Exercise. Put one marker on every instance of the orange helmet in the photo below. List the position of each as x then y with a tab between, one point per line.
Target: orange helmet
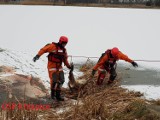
115	51
63	39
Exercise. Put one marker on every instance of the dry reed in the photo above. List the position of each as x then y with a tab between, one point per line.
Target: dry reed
105	102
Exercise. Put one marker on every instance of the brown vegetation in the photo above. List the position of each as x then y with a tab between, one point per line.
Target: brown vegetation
92	102
105	4
6	69
105	102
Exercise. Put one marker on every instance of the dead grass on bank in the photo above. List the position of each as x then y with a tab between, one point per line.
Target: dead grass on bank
11	110
94	103
18	114
156	102
37	3
110	103
106	103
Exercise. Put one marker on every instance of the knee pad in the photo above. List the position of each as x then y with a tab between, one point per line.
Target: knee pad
102	75
61	77
55	77
53	86
100	79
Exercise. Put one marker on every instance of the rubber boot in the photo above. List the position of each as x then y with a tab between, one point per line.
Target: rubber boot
53	94
58	96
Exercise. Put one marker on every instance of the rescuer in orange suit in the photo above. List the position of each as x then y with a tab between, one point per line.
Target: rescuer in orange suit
107	63
57	55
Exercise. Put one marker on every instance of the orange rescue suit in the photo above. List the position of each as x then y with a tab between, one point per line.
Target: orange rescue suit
105	58
56	56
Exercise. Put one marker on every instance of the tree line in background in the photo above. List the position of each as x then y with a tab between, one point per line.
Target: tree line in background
65	2
147	2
